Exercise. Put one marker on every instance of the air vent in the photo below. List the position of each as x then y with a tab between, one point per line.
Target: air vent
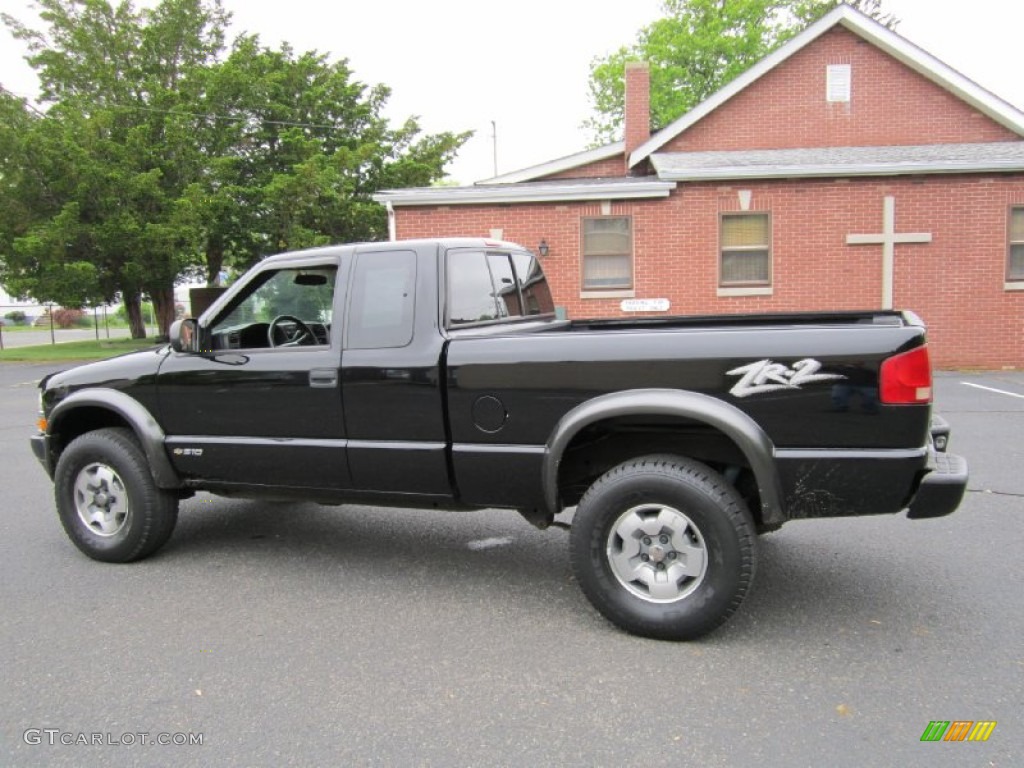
838	80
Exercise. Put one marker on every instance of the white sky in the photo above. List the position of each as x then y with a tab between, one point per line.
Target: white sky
459	64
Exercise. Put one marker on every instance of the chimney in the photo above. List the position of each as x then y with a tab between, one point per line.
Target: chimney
638	106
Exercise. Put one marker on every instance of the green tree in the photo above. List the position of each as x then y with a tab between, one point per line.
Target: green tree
110	157
294	149
46	249
158	157
698	47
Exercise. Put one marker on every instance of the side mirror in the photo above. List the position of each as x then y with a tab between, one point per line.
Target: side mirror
183	334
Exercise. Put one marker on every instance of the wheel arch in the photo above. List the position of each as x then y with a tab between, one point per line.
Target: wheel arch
94	408
734	424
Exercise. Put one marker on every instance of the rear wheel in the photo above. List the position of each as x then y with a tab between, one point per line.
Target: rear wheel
664	547
107	501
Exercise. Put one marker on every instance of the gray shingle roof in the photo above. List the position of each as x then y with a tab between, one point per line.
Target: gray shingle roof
990	157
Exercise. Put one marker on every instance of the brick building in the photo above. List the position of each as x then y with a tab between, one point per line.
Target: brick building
849	169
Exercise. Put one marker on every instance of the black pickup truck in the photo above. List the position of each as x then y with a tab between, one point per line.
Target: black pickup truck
436	374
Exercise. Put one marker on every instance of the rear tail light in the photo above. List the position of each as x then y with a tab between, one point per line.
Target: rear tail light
906	379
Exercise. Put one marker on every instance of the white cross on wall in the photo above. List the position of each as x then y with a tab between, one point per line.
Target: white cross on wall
888	240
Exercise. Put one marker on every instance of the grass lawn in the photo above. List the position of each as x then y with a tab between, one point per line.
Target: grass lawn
75	350
8	328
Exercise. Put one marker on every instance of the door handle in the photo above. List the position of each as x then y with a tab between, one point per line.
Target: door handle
323	378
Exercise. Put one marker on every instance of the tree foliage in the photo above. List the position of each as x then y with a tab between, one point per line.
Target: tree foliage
162	154
293	148
698	47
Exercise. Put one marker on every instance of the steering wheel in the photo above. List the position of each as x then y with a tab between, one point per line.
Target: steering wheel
298	336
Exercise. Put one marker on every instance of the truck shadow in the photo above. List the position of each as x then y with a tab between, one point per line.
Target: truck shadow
493	552
800	587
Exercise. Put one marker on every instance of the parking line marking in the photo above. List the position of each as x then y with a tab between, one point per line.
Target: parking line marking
497	541
992	389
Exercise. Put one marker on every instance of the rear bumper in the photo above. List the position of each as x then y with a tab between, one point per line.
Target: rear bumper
942	489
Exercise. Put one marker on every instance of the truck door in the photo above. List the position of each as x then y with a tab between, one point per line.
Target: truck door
391	373
261	405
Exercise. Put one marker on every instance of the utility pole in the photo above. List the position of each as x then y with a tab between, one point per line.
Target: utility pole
494	137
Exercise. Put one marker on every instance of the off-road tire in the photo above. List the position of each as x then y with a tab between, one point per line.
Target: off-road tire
690	509
108	503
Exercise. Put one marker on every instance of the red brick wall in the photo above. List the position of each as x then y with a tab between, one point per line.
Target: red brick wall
615	166
891	104
956	282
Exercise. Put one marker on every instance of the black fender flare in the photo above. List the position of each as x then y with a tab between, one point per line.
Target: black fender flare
728	419
150	434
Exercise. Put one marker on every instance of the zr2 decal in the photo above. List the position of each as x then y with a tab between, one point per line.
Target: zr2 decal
766	376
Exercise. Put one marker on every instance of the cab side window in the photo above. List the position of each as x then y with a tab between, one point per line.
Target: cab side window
383	303
264	316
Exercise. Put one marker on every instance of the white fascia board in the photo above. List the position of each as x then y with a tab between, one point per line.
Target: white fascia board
868	29
567	163
841	170
613	190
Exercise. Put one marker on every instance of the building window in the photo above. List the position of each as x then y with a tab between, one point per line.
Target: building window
607	253
1015	260
746	250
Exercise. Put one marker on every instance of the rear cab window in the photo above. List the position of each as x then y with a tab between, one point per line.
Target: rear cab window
486	286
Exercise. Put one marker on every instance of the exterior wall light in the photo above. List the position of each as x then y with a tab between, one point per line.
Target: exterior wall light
543	248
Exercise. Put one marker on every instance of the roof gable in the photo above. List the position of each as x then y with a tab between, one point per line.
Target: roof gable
559	165
888	104
870	31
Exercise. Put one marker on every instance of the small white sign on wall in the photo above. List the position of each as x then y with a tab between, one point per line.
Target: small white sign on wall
645	305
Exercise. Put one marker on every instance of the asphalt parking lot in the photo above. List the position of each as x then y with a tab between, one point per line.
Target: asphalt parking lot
295	634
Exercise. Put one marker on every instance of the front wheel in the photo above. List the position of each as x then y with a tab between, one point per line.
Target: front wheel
663	547
106	498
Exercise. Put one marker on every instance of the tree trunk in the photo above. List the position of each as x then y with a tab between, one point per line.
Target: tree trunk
163	307
214	263
133	308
